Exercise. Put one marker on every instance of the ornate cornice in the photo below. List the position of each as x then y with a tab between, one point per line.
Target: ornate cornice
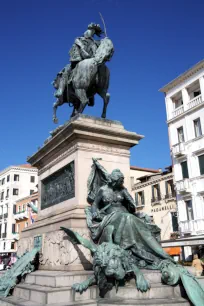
85	147
152	182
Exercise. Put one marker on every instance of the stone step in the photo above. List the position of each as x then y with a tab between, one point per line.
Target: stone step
157	291
57	278
14	301
66	279
50	295
144	302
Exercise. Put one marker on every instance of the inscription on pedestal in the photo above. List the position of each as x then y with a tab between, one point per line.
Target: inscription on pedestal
58	187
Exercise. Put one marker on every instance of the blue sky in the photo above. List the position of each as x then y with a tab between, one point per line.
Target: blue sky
155	40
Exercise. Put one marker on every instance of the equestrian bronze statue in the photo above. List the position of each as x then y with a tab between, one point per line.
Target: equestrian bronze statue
86	75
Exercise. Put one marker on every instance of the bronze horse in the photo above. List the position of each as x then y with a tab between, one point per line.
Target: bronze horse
89	77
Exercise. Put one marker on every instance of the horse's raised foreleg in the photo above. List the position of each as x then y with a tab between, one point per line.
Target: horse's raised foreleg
55	106
106	97
81	94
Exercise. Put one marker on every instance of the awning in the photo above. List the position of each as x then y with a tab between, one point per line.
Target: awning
173	250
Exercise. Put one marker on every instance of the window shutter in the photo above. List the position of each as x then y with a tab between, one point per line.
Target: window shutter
167	191
143	198
14	209
152	192
13	228
159	192
136	198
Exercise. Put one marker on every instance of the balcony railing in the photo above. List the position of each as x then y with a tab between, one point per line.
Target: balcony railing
178	111
155	200
21	215
200	185
195	101
15	236
170	195
178	149
183	186
192	227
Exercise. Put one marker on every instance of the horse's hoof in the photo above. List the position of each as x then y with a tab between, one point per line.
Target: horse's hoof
103	116
55	120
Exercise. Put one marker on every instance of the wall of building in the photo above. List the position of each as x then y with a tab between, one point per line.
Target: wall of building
160	210
191	188
24	186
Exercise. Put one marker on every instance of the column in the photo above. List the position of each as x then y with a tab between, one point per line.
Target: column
185	97
201	81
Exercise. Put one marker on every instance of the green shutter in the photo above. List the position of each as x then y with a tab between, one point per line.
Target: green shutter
143	198
201	164
136	198
184	167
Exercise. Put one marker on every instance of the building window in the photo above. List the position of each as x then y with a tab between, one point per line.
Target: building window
140	198
32	179
4	245
201	164
19	208
197	127
12	245
156	194
13	228
31	191
189	210
8	178
184	168
3	181
15	191
170	191
16	177
180	134
2	195
7	193
174	220
178	101
14	209
23	207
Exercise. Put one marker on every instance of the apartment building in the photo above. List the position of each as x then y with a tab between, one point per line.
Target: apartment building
23	215
15	182
184	98
154	195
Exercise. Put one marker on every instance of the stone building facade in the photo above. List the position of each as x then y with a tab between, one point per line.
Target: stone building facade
184	98
15	182
24	216
154	195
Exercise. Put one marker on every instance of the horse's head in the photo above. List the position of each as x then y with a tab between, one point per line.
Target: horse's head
105	51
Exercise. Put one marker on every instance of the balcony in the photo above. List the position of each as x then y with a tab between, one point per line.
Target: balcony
170	196
15	236
183	186
195	101
178	111
21	215
156	200
178	149
200	185
195	227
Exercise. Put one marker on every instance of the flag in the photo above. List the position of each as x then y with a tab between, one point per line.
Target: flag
31	217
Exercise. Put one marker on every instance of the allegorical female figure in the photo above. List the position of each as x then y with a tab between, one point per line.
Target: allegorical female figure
112	217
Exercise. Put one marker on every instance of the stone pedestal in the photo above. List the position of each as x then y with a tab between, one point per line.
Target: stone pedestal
64	164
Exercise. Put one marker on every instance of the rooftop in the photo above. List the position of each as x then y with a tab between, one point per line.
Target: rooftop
182	77
145	169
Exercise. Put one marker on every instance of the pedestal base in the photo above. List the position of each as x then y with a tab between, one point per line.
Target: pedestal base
54	289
